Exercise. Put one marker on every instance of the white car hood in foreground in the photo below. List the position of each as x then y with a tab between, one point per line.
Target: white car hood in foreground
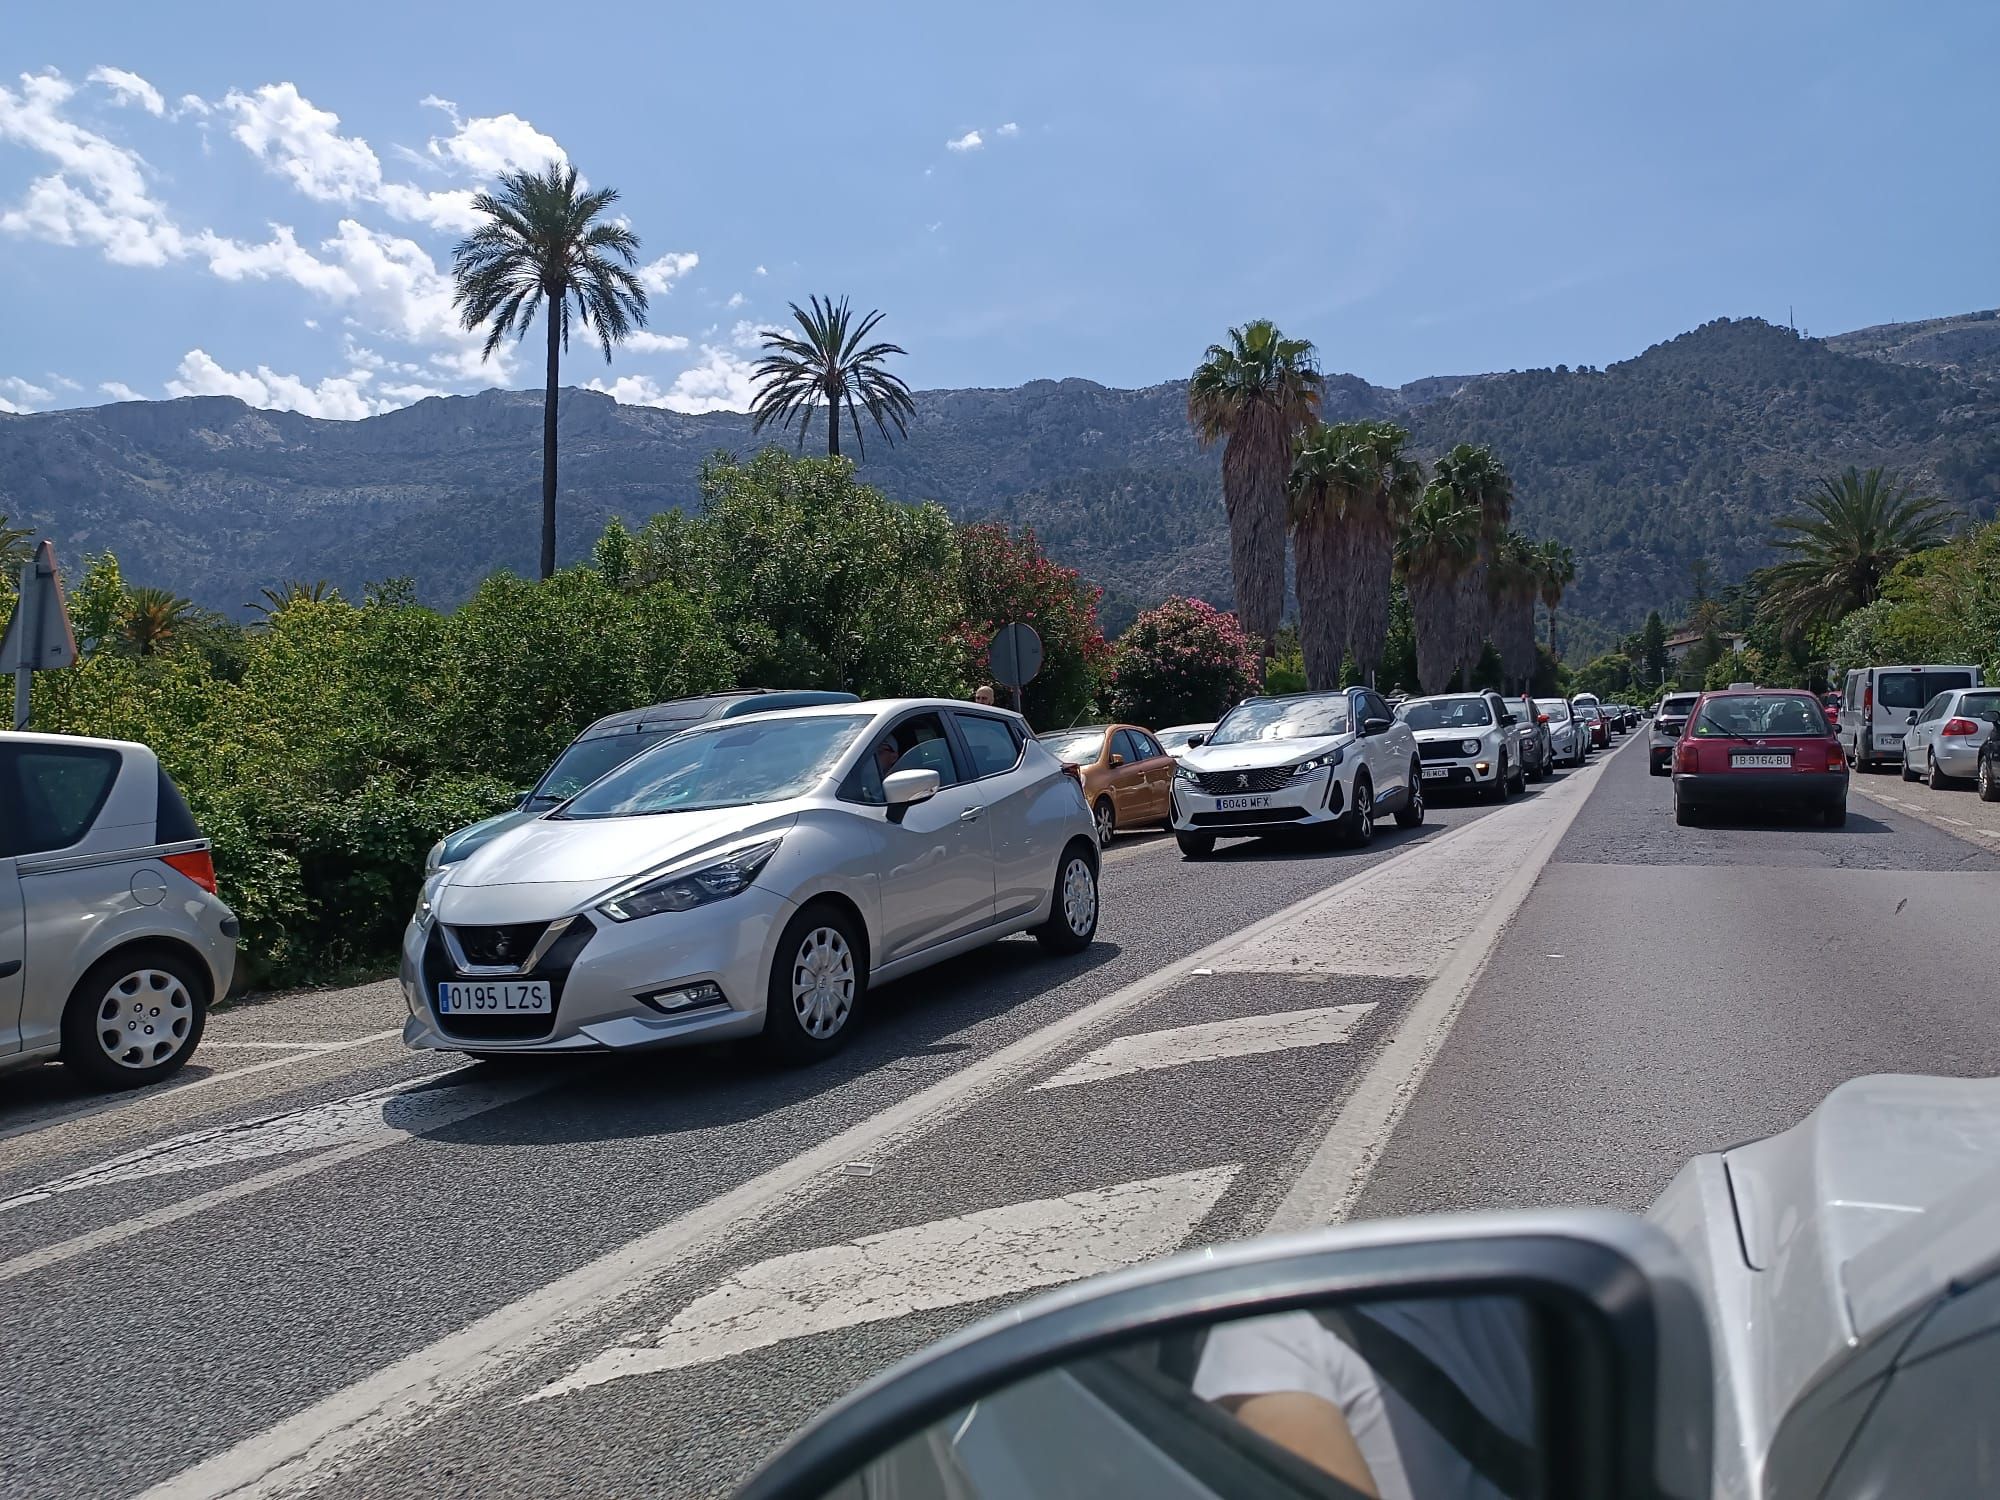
602	851
1434	736
1255	755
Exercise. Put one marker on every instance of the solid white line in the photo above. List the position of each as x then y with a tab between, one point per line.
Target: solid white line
996	1252
320	1441
282	1046
1240	1036
1325	1191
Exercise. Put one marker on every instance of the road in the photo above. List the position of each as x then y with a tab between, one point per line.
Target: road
320	1265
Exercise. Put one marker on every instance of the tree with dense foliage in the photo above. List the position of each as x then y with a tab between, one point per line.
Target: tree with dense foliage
275	597
1004	578
1351	485
1555	566
1854	530
831	366
1254	394
1477	478
1514	582
17	546
1654	659
546	241
819	581
1440	539
1183	662
154	618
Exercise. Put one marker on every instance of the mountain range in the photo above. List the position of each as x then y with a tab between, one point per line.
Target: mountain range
1689	450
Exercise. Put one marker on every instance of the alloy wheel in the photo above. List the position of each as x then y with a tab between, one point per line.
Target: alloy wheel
1107	823
823	982
1079	896
144	1019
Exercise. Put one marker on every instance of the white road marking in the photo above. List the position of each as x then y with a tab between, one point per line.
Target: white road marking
326	1438
280	1046
338	1132
1241	1036
1325	1191
997	1252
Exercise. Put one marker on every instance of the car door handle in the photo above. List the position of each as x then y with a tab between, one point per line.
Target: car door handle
9	967
971	815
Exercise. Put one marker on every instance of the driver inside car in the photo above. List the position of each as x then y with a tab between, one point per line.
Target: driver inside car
1413	1400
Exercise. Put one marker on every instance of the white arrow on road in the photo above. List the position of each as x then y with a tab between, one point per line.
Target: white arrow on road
1240	1036
997	1252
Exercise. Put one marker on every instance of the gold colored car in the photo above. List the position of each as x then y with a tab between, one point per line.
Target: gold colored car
1127	777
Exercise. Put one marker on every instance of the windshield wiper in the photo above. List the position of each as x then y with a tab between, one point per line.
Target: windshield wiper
1723	730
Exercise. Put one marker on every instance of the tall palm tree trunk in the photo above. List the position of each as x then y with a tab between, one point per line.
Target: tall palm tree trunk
1373	552
1318	565
1254	465
1434	616
1474	617
1552	631
549	439
832	425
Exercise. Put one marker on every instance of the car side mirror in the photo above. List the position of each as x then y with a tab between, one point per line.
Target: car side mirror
1117	759
1195	741
1912	718
1509	719
521	798
903	790
1545	1352
1375	726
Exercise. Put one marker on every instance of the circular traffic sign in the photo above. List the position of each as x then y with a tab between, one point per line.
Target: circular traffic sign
1015	655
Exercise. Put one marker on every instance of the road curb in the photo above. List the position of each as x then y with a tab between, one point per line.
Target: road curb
1986	840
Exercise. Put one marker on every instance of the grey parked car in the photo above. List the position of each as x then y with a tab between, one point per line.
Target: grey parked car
112	941
1942	743
607	745
1538	749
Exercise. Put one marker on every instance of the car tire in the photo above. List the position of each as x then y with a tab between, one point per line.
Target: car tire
1195	845
1502	787
821	950
1357	824
1935	779
1834	815
1072	923
1908	774
161	999
1411	813
1686	813
1521	779
1989	784
1106	817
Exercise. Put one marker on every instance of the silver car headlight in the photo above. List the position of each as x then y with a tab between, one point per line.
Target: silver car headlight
1318	762
427	894
683	890
1468	747
1182	773
433	859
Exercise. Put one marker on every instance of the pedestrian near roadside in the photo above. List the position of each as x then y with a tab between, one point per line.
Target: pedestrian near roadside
984	694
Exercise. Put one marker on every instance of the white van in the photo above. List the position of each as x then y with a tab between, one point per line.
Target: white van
1876	704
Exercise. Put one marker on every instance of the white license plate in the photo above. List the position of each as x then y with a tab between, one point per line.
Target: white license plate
495	997
1760	762
1890	739
1240	804
1436	773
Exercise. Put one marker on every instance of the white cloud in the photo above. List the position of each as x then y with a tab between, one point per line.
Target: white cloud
487	145
1010	128
659	275
130	88
194	104
9	409
312	322
629	390
721	382
98	193
970	141
760	271
748	334
63	381
118	390
736	299
281	257
645	341
25	393
338	396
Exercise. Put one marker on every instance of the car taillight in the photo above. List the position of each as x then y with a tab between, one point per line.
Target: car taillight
196	865
1836	758
1868	701
1541	718
1684	757
1959	726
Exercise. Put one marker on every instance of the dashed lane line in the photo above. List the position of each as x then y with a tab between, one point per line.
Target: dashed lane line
1240	1036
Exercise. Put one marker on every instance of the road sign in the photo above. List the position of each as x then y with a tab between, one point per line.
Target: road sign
1015	655
38	637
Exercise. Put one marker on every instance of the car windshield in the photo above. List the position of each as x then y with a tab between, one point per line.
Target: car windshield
1446	713
1555	708
1906	690
1076	747
1176	739
1756	714
1587	711
586	760
1683	705
726	765
1284	719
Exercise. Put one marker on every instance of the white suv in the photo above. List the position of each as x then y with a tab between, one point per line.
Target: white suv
1306	760
1468	740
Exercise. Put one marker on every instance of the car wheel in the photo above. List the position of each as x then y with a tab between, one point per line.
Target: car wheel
1935	779
1411	813
1107	821
1908	774
1834	815
818	979
1357	827
1686	813
134	1018
1521	777
1195	845
1072	923
1989	784
1502	787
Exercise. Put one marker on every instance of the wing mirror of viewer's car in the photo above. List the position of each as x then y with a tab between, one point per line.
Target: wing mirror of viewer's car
1376	726
1195	741
903	790
1545	1353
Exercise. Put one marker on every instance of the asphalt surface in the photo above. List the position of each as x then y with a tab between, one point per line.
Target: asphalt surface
341	1270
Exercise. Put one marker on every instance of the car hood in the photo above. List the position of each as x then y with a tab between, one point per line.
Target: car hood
475	836
596	853
1434	736
1255	755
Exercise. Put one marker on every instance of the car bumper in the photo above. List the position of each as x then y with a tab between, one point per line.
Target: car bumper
1957	760
1318	799
1446	774
1765	788
612	993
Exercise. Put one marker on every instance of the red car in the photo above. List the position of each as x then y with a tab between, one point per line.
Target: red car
1595	721
1759	749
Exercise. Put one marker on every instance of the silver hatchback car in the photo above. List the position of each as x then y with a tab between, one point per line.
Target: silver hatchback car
752	877
112	941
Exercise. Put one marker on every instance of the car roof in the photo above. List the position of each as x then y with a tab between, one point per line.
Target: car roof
26	737
1051	734
876	708
712	706
1447	697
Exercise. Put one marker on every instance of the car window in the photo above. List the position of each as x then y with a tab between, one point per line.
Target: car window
1753	714
173	822
991	742
1932	709
723	765
1905	690
52	793
1447	713
1076	747
1555	708
1145	744
1375	706
1979	705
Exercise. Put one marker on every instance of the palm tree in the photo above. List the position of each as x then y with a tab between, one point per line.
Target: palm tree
1254	393
1555	568
1440	539
545	241
1350	487
154	617
1854	531
1480	481
16	548
273	600
1514	583
830	366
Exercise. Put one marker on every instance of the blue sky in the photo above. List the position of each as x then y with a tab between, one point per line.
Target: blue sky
260	199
